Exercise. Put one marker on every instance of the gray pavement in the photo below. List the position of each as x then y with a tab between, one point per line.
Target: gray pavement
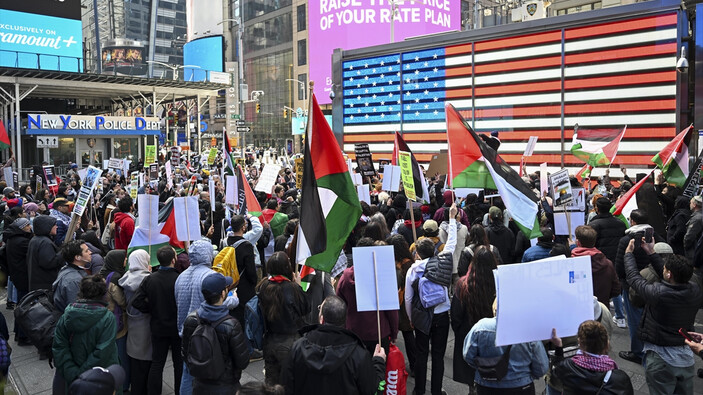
29	375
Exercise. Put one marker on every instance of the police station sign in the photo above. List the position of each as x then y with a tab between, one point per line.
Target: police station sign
54	122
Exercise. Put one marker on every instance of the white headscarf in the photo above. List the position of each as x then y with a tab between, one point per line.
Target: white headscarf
138	269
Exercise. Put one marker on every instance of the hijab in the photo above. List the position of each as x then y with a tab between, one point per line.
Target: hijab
114	262
138	270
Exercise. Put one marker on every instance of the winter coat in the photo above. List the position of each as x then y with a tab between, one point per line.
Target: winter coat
84	338
67	285
124	229
504	239
609	232
668	307
43	257
605	281
233	344
293	307
246	263
539	251
694	228
331	360
156	297
578	380
401	270
676	230
96	260
407	232
363	323
17	245
462	234
642	258
439	268
462	323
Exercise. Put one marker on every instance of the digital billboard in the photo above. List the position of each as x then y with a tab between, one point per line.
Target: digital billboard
350	24
124	57
207	54
41	34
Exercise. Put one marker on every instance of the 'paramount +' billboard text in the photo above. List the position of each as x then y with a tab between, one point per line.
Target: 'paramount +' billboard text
350	24
41	34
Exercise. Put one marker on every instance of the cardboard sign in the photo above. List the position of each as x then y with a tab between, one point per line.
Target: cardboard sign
561	188
149	154
50	175
368	279
364	159
530	146
89	182
299	173
212	156
406	174
268	178
175	157
148	206
438	165
391	178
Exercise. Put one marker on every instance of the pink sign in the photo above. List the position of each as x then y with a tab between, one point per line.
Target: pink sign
350	24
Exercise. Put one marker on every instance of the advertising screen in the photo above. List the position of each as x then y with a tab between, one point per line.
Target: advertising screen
41	34
207	54
124	57
350	24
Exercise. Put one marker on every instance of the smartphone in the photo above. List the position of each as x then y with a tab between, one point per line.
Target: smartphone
648	235
685	334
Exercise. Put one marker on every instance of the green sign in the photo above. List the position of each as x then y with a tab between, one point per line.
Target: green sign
406	174
234	116
211	157
149	154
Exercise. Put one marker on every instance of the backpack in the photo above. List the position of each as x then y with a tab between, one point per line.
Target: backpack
225	262
117	311
37	317
205	360
255	324
431	294
5	356
420	315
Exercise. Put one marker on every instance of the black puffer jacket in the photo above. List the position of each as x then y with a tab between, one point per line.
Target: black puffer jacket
640	256
17	243
331	360
234	347
610	230
667	307
504	239
43	257
578	380
676	230
439	268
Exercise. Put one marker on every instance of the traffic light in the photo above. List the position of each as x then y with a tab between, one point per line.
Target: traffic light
258	108
285	113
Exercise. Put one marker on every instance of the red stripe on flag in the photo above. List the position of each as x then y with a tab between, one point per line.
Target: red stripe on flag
622	27
527	40
632	79
630	106
518	88
491	68
621	53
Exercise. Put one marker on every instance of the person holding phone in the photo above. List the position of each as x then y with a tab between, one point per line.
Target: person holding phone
669	305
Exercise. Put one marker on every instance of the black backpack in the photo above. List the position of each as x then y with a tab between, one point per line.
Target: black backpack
37	317
205	359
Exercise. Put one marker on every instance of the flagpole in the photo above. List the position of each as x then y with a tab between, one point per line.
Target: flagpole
378	307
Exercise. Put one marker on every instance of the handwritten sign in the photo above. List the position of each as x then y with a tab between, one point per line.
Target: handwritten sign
406	174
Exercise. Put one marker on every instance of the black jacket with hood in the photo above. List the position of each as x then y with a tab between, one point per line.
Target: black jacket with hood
43	257
17	243
640	256
331	360
609	232
578	380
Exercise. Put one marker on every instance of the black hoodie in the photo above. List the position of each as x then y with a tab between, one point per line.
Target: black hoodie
17	244
331	360
43	257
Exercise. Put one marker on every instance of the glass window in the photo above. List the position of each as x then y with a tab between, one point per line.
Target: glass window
269	33
302	17
126	148
302	52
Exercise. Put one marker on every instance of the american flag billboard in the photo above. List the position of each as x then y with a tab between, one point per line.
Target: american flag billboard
597	75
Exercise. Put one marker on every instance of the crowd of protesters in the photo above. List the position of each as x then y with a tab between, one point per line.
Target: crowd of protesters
123	312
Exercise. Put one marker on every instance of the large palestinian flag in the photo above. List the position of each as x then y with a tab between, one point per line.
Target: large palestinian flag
246	198
628	202
329	203
228	163
673	159
473	164
4	139
150	240
418	176
596	147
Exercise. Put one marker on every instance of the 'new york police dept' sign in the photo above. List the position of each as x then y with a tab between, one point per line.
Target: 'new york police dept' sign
84	124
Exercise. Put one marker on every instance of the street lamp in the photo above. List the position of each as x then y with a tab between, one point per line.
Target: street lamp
302	87
174	68
394	12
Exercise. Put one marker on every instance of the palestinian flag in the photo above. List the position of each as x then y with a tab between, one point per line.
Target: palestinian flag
584	172
473	164
418	176
4	139
228	164
306	276
150	240
329	203
596	147
673	159
247	199
628	202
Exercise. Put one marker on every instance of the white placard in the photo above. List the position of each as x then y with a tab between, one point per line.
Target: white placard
114	163
148	206
366	280
530	146
561	188
7	173
391	178
463	192
561	285
187	215
561	225
82	173
231	190
106	164
91	179
364	193
169	174
125	169
213	193
543	181
268	178
358	179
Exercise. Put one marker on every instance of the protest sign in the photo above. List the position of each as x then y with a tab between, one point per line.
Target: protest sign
169	175
82	173
364	193
134	185
268	178
543	180
438	165
125	169
148	206
154	172
299	173
213	193
212	156
91	179
406	174
175	157
38	183
530	146
7	174
15	179
149	154
366	278
561	187
391	178
565	223
187	216
114	163
578	203
50	175
364	159
231	190
559	284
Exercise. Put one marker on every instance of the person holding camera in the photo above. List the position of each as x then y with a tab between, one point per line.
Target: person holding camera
670	306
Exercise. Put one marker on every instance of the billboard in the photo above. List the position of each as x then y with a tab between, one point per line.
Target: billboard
124	57
357	24
41	34
207	54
